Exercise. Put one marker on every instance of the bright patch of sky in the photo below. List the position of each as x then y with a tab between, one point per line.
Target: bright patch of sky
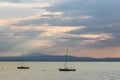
21	8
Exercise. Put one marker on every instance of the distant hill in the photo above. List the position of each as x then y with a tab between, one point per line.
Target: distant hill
45	57
36	54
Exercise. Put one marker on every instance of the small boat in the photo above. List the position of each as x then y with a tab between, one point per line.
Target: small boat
23	67
65	68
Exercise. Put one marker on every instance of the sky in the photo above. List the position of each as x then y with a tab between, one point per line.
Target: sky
89	28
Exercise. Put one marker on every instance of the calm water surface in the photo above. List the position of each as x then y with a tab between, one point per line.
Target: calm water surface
49	71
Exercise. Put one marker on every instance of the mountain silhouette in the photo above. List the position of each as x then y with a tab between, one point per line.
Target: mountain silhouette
37	56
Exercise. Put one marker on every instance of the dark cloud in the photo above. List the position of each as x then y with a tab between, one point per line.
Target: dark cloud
104	19
103	13
9	44
12	40
52	21
28	33
114	31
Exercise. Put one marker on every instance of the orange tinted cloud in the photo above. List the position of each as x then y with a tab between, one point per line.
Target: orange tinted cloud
98	53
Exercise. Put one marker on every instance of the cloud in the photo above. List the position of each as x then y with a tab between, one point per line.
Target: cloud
59	30
104	20
19	37
40	43
14	1
24	9
25	5
103	12
97	36
27	20
79	24
40	30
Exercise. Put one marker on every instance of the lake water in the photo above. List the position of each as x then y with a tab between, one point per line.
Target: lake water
49	71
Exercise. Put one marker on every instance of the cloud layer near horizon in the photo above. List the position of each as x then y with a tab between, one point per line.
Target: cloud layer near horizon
51	26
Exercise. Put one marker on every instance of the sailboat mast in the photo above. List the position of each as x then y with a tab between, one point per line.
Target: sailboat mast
22	58
66	58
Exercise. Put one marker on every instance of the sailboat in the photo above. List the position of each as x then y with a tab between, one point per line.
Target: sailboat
22	67
65	65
